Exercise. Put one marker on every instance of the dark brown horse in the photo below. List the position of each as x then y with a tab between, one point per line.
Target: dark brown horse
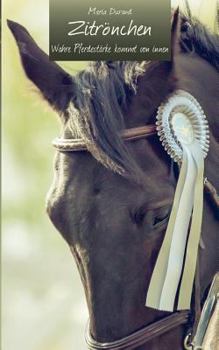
112	204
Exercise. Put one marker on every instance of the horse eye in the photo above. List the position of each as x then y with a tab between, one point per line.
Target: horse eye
153	218
161	216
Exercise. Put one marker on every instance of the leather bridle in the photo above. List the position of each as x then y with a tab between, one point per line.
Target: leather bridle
156	329
132	134
141	336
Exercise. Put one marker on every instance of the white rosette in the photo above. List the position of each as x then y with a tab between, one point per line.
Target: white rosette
181	120
183	130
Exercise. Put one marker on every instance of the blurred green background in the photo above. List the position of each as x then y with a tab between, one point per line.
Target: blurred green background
43	300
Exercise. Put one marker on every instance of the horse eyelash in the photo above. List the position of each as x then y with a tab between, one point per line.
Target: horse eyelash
138	216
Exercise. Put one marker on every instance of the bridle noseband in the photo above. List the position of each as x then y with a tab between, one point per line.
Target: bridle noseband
168	323
141	336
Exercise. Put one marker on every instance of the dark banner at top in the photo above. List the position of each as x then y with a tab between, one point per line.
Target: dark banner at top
110	30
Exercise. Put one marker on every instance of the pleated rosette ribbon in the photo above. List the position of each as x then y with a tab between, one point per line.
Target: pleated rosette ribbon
183	130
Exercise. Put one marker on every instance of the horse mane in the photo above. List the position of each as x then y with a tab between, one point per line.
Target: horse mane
104	89
195	37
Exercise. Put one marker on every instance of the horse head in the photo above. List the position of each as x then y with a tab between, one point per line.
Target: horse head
112	204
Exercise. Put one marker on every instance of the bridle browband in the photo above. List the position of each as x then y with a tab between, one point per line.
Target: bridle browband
132	134
168	323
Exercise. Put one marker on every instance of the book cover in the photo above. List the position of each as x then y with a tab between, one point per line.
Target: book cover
109	174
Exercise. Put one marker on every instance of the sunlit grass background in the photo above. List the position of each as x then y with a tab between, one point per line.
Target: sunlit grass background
43	300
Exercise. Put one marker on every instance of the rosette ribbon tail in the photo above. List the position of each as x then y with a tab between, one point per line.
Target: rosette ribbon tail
160	269
188	276
168	270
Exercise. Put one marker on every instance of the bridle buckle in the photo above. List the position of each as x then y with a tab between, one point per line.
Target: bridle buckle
187	342
188	345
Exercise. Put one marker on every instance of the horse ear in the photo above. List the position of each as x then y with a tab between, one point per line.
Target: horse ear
55	84
175	34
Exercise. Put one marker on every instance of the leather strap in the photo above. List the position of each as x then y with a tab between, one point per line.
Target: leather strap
72	145
132	134
142	336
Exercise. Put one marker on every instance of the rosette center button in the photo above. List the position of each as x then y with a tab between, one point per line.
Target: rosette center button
182	128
